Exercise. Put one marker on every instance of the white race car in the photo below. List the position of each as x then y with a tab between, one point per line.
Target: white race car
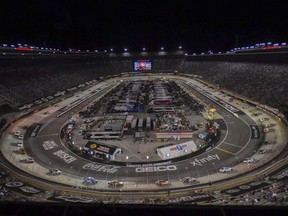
162	182
249	160
188	179
225	169
55	171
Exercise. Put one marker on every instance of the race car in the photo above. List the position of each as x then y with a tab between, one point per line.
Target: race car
162	182
22	151
225	169
249	160
90	180
188	179
29	160
115	183
55	171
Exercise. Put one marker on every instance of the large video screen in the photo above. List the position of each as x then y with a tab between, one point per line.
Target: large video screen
142	65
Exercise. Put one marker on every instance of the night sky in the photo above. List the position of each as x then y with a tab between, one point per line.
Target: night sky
197	26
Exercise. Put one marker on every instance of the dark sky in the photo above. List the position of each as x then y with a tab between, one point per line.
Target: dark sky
103	24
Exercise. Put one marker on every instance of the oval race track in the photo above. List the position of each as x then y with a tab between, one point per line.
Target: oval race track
234	145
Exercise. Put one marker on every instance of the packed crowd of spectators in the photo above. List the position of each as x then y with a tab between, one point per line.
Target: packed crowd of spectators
166	65
26	80
23	85
264	83
120	66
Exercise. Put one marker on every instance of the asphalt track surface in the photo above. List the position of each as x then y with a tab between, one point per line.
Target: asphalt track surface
234	145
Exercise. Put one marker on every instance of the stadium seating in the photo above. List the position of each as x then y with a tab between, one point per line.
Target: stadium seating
25	79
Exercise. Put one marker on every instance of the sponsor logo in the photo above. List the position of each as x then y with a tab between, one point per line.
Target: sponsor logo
202	135
74	199
200	162
245	188
155	169
64	156
20	187
101	168
178	147
194	198
28	189
93	146
47	145
150	164
281	175
255	132
14	184
103	149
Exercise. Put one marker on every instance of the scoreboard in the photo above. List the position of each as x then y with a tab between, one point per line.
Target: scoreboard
142	65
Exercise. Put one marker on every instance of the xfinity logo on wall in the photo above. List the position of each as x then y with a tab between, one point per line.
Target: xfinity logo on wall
199	162
155	169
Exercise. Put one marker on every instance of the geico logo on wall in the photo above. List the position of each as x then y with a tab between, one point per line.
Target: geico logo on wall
245	188
20	187
155	169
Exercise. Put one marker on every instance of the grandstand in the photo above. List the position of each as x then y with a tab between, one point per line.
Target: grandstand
27	78
254	77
